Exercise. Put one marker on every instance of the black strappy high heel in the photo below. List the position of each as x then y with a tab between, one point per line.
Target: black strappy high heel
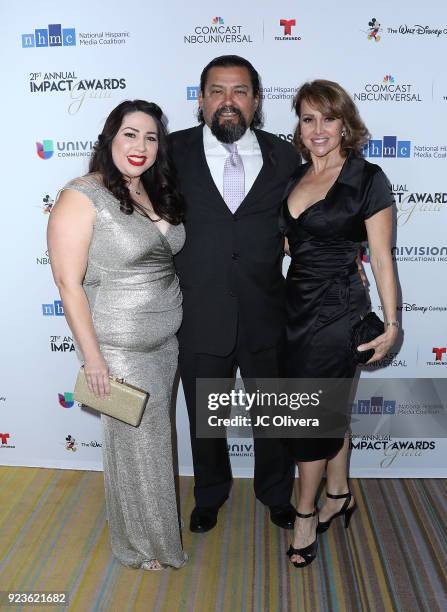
347	512
309	552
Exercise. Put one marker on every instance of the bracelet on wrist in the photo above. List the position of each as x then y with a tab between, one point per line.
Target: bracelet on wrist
392	324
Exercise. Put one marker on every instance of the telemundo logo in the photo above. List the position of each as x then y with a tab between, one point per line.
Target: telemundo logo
53	36
389	146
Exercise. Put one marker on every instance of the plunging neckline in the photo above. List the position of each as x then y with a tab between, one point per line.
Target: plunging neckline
318	201
305	210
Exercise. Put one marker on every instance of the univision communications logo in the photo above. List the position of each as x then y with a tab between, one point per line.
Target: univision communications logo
412	253
420	253
53	36
45	149
240	450
365	254
66	400
65	148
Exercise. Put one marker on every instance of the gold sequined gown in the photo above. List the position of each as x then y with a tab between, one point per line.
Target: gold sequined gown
135	301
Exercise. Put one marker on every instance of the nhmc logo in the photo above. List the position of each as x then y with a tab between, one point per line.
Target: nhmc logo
54	36
388	147
53	310
192	92
375	405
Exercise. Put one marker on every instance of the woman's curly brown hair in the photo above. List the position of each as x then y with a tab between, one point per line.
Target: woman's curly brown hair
160	180
331	100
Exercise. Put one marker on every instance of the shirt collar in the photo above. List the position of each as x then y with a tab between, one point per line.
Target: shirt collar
352	171
247	143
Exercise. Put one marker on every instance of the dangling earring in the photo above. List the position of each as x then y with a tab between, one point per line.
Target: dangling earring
343	133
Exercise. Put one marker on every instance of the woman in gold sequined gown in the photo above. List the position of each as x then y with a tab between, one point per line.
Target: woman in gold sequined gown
112	236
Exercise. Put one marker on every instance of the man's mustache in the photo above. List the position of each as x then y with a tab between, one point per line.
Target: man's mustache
228	109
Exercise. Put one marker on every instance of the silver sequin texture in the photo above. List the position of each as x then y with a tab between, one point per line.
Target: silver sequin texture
135	300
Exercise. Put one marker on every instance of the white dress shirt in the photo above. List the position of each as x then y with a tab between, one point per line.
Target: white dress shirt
216	154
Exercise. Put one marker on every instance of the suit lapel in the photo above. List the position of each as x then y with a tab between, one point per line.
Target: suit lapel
265	176
199	169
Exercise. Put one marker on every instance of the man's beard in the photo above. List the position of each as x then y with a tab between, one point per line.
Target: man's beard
228	132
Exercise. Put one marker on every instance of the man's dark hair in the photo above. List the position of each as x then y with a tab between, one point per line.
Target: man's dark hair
230	61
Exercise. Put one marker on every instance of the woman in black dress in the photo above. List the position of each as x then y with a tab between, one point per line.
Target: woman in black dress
333	203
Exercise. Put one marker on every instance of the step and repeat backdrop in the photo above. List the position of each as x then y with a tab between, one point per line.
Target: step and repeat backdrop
65	66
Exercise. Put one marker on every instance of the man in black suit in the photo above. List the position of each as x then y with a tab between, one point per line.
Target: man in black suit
230	272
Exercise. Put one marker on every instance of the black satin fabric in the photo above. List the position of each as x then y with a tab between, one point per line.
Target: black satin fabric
325	296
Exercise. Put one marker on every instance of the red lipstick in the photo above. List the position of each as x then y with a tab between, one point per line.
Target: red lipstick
137	160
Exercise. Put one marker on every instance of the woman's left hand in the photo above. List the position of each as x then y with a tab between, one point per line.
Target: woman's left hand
381	344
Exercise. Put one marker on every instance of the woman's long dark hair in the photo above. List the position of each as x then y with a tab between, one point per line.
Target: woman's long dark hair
159	181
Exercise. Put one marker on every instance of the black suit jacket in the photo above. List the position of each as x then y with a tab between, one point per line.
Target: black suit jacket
230	266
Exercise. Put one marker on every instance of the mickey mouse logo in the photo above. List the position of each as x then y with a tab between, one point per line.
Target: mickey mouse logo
70	443
374	29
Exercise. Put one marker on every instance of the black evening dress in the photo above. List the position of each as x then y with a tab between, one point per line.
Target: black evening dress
325	295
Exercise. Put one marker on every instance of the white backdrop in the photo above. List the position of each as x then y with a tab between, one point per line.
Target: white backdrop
65	66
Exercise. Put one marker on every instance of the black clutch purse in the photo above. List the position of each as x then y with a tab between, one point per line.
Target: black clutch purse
363	332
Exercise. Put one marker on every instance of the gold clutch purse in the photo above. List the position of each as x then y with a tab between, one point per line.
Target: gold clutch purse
125	402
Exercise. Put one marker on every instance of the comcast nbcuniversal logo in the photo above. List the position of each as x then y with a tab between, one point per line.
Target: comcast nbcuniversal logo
217	31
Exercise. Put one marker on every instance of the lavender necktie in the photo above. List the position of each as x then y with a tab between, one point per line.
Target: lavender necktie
233	178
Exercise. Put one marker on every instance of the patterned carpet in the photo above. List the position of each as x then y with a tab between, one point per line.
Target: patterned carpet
53	536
